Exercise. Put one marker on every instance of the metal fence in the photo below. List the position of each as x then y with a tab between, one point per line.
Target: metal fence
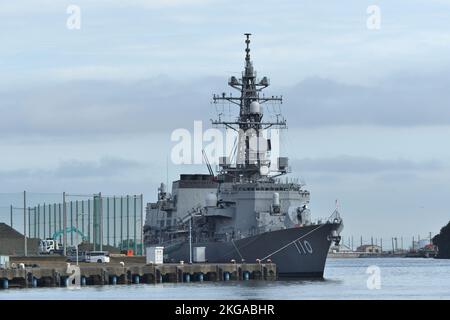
101	220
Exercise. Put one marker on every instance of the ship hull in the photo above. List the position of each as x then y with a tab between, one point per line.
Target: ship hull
299	252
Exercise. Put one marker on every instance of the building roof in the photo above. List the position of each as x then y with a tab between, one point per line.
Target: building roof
365	246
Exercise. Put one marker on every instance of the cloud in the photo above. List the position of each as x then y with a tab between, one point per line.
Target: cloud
406	100
364	165
105	167
89	108
77	169
50	6
100	107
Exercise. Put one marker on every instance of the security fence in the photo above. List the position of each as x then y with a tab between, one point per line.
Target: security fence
106	222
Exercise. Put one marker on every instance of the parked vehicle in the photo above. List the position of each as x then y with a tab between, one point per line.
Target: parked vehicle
97	256
72	256
50	246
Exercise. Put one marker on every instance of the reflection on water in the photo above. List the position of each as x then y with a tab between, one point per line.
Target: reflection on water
344	279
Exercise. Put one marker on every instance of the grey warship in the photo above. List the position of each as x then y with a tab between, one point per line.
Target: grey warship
245	211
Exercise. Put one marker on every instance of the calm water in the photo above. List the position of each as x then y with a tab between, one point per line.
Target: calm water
344	279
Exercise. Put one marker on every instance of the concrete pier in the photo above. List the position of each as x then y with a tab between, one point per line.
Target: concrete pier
41	272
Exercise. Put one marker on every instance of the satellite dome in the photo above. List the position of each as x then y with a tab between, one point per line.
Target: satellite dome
264	170
255	107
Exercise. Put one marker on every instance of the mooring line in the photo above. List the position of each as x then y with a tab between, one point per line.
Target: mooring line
239	253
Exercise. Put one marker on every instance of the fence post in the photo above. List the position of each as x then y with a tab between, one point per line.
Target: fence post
107	221
71	223
134	224
101	220
39	221
25	222
128	222
64	224
49	220
89	220
82	217
44	225
142	225
29	222
76	220
34	222
114	213
121	223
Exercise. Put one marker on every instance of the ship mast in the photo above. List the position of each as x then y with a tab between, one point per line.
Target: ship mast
252	147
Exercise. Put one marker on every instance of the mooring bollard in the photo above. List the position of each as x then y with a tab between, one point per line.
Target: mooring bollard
113	280
5	284
246	275
34	282
226	276
187	277
136	279
64	281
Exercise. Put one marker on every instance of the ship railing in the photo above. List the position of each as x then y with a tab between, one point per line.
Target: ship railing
335	217
171	243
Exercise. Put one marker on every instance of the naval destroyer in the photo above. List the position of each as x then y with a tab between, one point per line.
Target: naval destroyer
245	211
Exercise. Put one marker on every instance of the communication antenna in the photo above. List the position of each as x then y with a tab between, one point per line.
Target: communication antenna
167	171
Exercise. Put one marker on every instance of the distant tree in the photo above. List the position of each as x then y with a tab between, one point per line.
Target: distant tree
442	241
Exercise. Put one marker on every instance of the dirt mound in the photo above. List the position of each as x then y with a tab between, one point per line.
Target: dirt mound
12	242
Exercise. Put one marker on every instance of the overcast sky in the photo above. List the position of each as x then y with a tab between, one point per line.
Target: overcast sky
92	109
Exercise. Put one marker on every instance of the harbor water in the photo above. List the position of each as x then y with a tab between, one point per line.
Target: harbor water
352	278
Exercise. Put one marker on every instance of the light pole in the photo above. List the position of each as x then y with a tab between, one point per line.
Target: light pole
25	223
76	250
77	236
64	224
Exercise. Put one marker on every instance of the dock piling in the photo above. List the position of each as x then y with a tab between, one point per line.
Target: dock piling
51	273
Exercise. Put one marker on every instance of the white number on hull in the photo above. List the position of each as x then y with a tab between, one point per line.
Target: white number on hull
303	247
308	246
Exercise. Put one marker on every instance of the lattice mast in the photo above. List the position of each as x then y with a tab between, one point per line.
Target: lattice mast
252	148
